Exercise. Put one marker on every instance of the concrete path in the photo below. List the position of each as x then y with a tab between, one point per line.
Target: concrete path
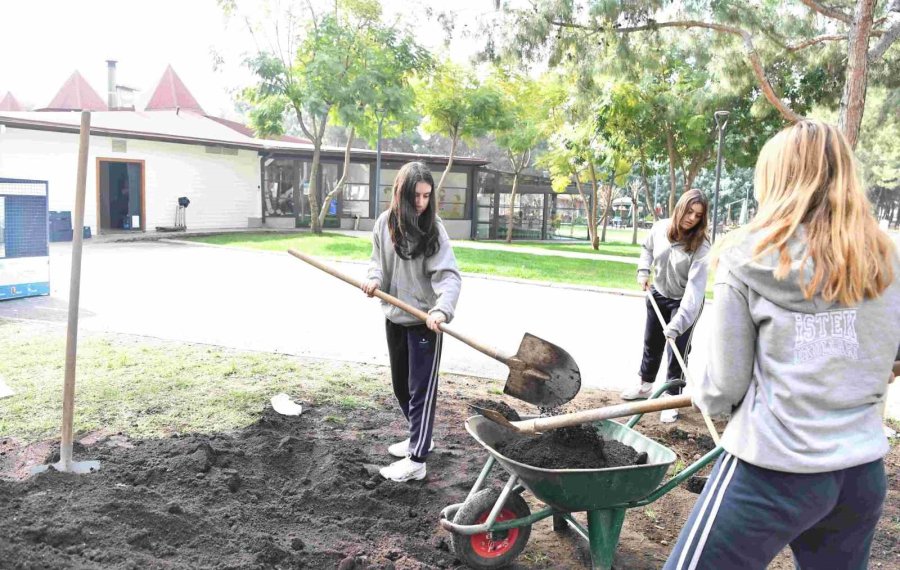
269	301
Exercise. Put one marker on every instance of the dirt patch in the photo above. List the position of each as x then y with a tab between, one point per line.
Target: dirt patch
304	492
575	447
508	411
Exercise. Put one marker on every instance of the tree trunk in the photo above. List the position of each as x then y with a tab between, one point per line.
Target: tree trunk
853	100
592	232
340	184
314	188
454	139
649	201
592	219
636	187
694	169
512	207
670	147
609	198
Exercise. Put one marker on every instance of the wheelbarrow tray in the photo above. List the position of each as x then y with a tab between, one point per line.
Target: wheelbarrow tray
573	490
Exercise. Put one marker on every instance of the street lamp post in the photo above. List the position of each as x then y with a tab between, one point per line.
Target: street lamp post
721	123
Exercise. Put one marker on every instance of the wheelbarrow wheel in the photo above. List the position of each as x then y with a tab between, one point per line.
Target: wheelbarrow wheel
491	549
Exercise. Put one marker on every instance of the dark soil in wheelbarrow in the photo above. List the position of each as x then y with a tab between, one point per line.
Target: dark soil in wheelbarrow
304	492
576	447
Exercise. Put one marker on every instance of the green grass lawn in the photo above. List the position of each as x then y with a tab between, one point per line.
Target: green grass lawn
605	248
150	388
491	262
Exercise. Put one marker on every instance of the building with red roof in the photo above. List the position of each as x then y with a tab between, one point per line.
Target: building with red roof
142	163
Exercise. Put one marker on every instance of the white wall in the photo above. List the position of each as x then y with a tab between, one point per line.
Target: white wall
223	189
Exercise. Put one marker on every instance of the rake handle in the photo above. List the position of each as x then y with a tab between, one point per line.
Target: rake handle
662	322
540	425
418	313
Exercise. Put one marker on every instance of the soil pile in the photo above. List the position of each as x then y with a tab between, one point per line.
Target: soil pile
508	411
577	447
299	492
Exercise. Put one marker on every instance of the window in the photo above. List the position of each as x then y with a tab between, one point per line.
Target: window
451	202
356	192
280	181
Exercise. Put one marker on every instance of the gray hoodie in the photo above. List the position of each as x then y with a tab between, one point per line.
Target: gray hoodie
427	283
678	274
805	379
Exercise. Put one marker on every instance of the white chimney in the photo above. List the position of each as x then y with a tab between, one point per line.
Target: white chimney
111	102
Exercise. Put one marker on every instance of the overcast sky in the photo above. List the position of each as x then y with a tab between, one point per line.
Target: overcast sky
44	41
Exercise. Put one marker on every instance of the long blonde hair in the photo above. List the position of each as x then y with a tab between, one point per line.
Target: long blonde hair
806	174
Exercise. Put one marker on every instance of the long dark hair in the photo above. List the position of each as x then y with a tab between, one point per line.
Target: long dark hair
413	235
693	238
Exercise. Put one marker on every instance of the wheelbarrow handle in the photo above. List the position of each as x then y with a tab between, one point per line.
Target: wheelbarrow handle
491	351
662	322
540	425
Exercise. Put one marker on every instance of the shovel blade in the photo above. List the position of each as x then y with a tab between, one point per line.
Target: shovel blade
542	374
494	416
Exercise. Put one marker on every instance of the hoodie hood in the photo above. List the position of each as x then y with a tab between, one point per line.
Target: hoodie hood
759	273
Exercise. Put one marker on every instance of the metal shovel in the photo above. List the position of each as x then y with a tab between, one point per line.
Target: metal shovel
541	425
540	373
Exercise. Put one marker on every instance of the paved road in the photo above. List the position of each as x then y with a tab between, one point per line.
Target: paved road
272	302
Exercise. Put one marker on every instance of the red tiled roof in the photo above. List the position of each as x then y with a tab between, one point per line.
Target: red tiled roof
9	103
171	94
247	131
76	95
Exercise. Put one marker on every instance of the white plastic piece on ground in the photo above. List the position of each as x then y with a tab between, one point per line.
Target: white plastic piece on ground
5	391
283	404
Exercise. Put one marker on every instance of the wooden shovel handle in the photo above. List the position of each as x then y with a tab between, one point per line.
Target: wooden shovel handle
539	425
418	313
662	323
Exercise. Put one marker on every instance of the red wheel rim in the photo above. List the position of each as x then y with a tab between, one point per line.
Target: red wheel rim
494	544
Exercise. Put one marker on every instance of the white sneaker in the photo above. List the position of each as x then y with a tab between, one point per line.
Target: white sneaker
401	449
642	393
668	416
404	470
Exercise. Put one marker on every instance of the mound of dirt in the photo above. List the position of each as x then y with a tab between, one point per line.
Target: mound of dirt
576	447
508	411
299	492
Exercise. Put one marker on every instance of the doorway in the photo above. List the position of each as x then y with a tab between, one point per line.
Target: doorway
120	195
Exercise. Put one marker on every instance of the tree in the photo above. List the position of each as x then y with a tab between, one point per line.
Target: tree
345	68
768	31
458	106
527	103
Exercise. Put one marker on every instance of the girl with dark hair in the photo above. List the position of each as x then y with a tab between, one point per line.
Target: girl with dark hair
413	261
677	249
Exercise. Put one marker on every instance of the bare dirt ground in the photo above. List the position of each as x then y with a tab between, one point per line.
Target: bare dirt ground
303	492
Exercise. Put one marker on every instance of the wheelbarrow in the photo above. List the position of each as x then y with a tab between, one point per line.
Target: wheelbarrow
490	528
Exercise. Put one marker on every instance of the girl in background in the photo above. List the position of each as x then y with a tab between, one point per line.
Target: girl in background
676	249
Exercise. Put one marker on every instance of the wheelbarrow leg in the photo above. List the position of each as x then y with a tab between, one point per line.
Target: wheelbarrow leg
604	526
559	523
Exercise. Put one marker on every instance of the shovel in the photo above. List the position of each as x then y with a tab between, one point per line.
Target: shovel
684	369
540	373
541	425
